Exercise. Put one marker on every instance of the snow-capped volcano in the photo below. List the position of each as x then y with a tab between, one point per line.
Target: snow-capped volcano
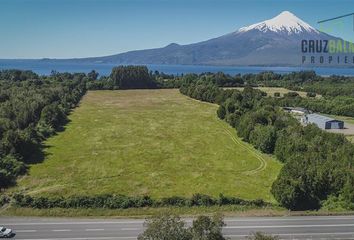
285	22
275	42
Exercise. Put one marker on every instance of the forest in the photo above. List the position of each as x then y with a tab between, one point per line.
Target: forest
32	108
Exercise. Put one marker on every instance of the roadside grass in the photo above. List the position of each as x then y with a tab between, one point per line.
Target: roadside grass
144	212
148	142
271	90
138	213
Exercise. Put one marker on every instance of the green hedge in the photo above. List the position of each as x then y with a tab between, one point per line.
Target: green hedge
4	200
123	202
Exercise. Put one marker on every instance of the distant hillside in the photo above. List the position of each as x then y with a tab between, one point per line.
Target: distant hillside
274	42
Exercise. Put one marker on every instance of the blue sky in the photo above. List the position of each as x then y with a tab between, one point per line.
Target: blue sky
82	28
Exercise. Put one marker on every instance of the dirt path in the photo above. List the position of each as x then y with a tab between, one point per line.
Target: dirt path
263	163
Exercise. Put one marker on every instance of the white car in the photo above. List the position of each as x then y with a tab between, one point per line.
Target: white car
6	232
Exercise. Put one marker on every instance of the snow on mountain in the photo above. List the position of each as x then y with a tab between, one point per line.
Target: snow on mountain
285	22
274	42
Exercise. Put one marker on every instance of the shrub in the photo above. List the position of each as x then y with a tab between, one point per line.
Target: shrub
221	112
123	202
202	200
4	199
174	201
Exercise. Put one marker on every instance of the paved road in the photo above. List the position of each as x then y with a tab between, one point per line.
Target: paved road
338	227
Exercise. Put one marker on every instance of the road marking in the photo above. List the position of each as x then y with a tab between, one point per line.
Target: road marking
74	223
85	238
188	220
290	226
294	234
289	219
130	229
26	231
95	229
61	230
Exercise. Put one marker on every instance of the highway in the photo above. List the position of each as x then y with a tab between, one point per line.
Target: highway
307	227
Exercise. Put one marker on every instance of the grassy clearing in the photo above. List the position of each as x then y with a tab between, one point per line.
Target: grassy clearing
271	90
155	142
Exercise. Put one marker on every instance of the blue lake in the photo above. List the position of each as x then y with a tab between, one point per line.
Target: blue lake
44	68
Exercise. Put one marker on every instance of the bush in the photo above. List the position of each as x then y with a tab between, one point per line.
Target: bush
123	202
221	112
224	200
202	200
4	200
175	201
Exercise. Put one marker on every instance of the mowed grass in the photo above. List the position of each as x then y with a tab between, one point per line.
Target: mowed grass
155	142
271	90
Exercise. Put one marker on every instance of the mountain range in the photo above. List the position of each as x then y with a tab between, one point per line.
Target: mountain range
273	42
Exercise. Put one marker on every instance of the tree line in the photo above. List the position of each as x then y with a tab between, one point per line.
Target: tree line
318	166
125	77
110	201
337	91
32	108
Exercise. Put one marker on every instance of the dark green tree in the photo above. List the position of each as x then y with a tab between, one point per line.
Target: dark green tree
207	228
165	227
221	112
263	138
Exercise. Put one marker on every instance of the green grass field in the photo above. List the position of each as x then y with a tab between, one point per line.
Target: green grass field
271	90
155	142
